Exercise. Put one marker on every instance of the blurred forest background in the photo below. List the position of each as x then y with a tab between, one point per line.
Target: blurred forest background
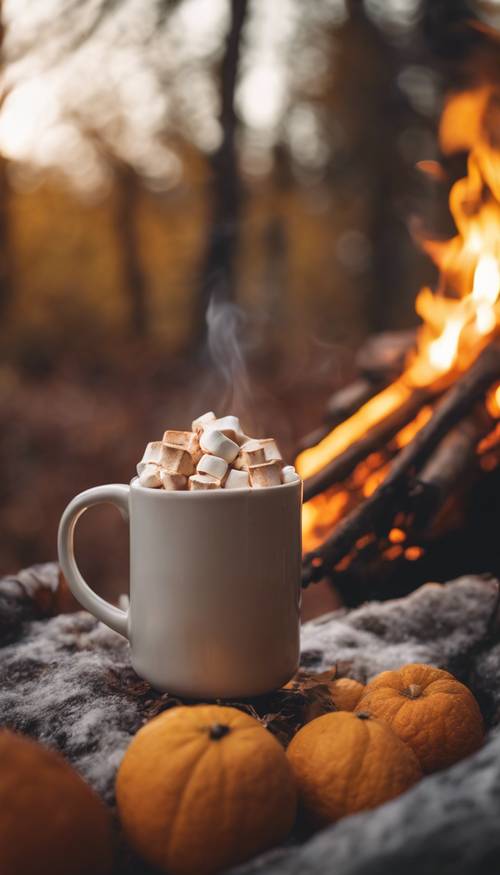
162	161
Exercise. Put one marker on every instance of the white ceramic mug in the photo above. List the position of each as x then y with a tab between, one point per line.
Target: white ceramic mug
214	585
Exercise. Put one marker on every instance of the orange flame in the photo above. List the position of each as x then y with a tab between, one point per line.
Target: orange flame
458	319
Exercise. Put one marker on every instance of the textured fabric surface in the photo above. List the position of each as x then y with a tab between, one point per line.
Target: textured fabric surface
67	680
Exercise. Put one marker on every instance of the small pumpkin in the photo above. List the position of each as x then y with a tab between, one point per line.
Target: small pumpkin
204	787
325	692
345	762
428	709
346	693
50	819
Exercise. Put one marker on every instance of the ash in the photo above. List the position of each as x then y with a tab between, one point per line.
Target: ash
67	681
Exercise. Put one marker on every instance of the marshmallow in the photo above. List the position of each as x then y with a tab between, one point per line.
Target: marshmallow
289	474
201	422
171	481
203	481
184	439
237	479
152	453
251	453
230	426
188	440
150	476
216	443
268	474
177	460
215	454
271	450
212	465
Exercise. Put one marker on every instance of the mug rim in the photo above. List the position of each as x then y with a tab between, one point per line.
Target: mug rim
212	493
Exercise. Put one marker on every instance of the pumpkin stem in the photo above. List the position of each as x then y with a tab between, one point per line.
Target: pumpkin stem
362	715
413	691
218	730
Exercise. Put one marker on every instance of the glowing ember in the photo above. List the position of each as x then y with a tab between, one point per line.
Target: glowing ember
407	433
397	536
458	320
374	480
393	552
493	402
413	553
320	516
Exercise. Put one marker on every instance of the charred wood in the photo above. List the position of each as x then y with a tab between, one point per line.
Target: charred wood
448	466
383	356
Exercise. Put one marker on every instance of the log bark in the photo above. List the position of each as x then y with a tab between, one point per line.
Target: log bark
377	511
383	356
448	466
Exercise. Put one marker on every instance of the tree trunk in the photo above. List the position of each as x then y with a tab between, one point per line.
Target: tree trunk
218	273
133	277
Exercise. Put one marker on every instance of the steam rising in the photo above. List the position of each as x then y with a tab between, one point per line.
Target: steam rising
227	348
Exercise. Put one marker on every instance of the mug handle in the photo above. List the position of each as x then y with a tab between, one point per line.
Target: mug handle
114	493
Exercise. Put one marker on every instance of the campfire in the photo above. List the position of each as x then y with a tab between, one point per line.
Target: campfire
384	476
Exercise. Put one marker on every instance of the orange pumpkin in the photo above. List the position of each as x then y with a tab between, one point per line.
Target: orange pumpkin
204	787
344	763
429	710
50	819
346	693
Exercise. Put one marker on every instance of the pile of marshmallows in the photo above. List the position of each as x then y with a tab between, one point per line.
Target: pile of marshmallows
216	454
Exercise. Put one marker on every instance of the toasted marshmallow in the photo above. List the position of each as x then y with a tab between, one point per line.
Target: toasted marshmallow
212	465
152	453
217	443
184	439
267	474
237	479
172	482
150	476
177	460
188	440
271	450
201	422
251	453
203	481
289	474
179	438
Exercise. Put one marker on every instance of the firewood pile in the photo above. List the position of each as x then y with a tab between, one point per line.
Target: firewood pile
402	487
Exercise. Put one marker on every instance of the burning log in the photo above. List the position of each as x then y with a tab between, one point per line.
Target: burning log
343	465
380	361
449	465
383	357
376	513
339	407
